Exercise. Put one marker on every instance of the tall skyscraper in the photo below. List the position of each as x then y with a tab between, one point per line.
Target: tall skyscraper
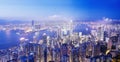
32	22
100	33
33	25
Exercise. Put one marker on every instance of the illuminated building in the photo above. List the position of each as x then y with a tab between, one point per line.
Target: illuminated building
100	33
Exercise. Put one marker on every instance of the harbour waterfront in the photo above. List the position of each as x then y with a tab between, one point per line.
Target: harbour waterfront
63	42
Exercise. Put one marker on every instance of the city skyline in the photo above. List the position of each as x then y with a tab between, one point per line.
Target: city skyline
59	9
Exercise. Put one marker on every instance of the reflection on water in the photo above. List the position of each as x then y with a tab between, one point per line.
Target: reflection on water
8	38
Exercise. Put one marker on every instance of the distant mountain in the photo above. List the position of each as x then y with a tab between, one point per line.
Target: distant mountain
115	22
4	22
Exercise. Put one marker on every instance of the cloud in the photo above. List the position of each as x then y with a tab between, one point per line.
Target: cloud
58	17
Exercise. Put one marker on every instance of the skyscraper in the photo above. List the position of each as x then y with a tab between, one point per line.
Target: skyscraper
32	25
100	33
32	22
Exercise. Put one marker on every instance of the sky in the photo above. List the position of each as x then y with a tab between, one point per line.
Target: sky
59	9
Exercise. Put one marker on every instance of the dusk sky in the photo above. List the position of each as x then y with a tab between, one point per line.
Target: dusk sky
57	9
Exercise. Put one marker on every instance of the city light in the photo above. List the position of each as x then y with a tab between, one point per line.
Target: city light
59	31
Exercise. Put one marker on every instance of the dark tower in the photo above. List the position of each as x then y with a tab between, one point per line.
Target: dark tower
32	22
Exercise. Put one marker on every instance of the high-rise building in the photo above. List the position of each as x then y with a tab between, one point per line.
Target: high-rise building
71	27
32	22
100	33
105	36
33	25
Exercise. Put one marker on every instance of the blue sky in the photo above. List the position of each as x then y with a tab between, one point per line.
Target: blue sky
44	9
